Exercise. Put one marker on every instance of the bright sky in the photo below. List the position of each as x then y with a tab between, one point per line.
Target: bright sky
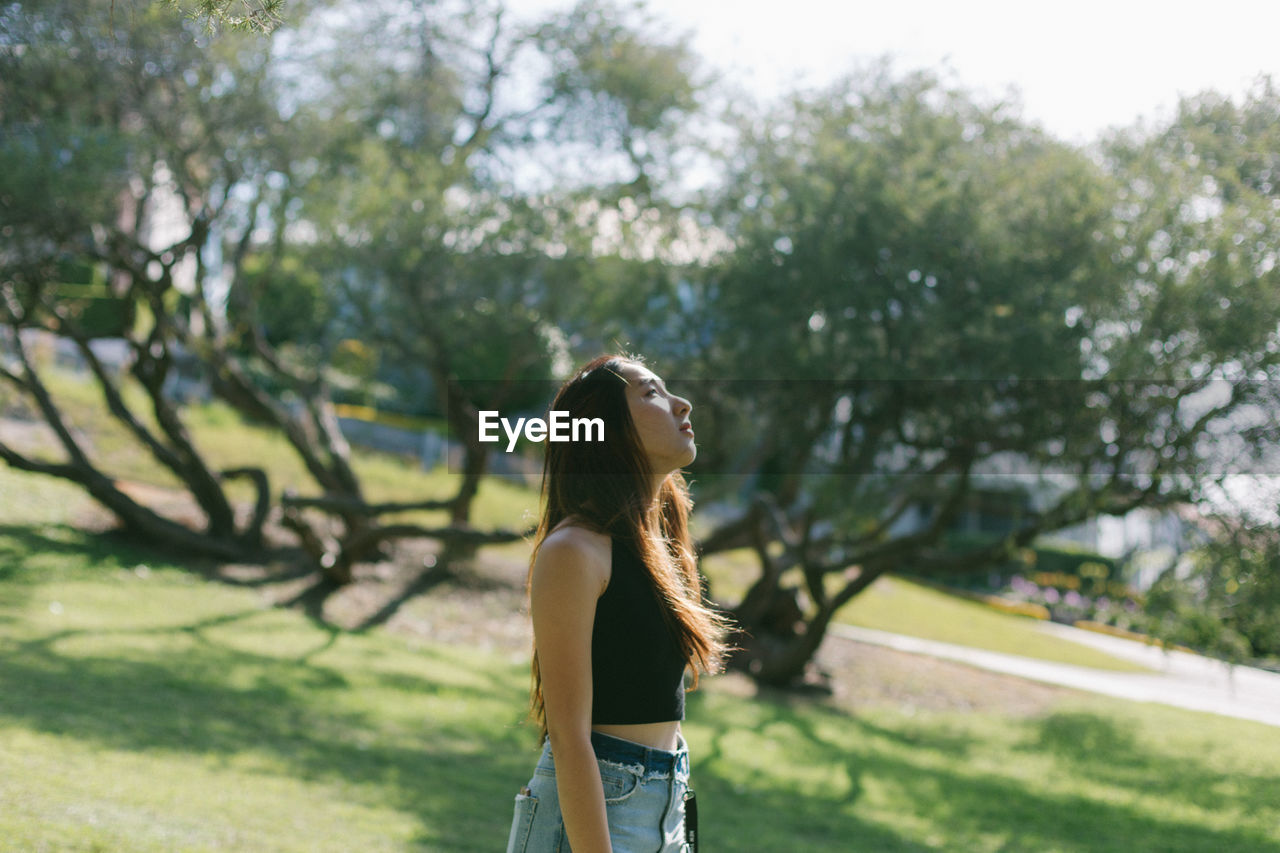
1080	67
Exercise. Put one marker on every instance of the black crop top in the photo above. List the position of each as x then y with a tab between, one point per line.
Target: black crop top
637	666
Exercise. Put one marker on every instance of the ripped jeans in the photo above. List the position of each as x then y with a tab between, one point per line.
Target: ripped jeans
644	792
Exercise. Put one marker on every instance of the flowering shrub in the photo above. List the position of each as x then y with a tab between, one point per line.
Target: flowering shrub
1066	603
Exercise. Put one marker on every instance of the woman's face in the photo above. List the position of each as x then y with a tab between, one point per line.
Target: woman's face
661	420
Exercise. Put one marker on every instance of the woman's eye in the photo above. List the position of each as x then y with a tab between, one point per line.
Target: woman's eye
651	392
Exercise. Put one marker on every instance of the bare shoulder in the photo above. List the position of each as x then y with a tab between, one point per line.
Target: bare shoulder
574	554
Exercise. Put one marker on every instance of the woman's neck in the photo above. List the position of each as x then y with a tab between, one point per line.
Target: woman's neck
655	490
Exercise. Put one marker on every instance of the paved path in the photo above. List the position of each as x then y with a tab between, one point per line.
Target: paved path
1178	678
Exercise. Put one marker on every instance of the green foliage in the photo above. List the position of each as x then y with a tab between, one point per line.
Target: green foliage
440	263
612	77
63	162
288	301
258	15
1228	603
87	299
56	176
1200	221
898	244
354	357
1092	567
915	234
120	126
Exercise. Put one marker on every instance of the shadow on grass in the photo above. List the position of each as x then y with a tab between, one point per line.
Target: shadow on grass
1110	754
186	693
206	700
426	580
17	541
119	548
971	810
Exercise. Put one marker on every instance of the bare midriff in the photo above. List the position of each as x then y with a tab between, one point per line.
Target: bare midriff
664	736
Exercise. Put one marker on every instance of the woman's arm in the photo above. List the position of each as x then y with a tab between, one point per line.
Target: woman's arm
567	579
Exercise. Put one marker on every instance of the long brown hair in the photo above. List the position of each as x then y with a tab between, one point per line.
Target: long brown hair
605	484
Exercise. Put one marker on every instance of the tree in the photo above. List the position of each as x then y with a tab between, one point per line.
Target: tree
923	290
1202	210
149	157
1228	603
447	259
91	148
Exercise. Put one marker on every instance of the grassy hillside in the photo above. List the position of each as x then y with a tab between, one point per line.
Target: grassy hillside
143	708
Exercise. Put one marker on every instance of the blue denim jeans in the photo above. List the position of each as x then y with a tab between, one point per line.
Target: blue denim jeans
644	792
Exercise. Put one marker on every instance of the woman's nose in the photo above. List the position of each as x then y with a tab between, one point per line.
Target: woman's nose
683	406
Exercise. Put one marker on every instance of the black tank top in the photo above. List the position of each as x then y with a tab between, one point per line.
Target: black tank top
637	666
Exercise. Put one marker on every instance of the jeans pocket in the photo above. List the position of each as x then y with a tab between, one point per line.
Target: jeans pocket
522	822
619	782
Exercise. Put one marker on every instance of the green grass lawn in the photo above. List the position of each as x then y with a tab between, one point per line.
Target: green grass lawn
898	605
143	708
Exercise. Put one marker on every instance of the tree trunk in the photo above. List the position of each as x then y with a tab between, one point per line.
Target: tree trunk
784	650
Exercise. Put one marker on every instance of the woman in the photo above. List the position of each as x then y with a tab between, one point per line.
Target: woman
618	617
